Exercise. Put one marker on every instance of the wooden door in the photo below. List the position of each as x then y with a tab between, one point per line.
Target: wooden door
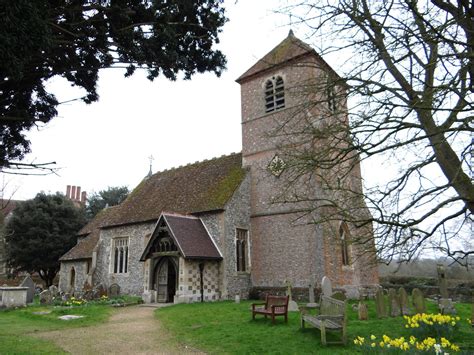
162	282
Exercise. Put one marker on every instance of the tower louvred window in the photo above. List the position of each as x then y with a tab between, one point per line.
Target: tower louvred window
274	94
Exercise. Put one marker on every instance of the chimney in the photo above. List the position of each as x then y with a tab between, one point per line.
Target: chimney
68	191
83	197
73	193
78	193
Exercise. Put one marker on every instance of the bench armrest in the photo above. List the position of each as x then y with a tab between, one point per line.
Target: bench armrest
257	304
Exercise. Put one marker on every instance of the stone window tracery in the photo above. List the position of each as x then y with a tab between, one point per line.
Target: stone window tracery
274	94
241	245
120	255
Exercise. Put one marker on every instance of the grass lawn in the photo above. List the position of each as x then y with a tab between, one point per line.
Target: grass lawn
16	325
227	327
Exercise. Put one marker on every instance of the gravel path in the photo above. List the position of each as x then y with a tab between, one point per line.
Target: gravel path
130	330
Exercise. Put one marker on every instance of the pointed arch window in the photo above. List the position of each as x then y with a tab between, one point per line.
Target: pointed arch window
120	255
241	252
344	238
274	94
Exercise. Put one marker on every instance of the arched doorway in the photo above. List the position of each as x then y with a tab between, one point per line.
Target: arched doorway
165	280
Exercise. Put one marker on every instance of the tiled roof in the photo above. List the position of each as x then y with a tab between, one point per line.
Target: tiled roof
90	236
290	48
199	187
83	249
190	236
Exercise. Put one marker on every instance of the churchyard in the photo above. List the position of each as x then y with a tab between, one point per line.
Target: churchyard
227	327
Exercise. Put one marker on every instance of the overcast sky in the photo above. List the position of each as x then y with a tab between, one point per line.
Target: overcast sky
108	142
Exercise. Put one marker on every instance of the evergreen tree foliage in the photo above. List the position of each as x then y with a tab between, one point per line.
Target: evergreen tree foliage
40	231
113	196
73	39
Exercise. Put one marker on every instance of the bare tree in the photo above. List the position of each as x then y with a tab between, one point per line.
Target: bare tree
403	107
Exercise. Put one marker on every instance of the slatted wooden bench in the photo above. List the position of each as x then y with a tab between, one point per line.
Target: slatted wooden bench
332	317
274	306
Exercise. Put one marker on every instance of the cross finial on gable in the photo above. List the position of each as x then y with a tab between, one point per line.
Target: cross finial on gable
291	33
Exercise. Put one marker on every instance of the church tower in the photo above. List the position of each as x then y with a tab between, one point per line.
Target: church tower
286	246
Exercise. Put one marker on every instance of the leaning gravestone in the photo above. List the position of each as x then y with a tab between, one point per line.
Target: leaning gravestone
363	312
292	305
403	299
45	297
30	292
380	306
326	286
114	290
393	303
418	301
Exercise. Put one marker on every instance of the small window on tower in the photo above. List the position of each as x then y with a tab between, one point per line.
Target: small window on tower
344	238
274	94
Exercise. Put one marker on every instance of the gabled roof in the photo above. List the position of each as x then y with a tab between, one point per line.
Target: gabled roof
189	235
199	187
290	48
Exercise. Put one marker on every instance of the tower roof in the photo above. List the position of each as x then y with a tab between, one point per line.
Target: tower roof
288	49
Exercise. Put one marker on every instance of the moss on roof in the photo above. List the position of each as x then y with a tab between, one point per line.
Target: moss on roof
198	187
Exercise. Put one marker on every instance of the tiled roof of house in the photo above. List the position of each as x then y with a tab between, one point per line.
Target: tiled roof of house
199	187
189	235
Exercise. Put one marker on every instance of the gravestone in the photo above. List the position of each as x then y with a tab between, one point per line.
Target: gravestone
380	305
292	305
114	290
339	295
363	312
45	297
237	299
326	286
443	282
403	299
30	292
418	301
54	290
393	303
445	304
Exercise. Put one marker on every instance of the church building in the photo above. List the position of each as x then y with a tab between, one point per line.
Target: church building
213	229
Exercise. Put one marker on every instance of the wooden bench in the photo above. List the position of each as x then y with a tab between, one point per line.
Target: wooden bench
332	317
274	306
